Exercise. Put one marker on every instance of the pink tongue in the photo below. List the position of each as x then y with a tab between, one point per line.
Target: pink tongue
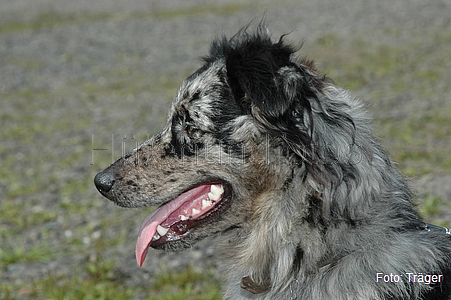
150	224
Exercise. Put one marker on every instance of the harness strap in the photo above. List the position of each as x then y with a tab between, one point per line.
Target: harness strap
430	227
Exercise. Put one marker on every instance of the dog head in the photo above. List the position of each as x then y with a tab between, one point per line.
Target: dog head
240	129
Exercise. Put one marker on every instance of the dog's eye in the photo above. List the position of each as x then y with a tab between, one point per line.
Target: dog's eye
196	96
189	130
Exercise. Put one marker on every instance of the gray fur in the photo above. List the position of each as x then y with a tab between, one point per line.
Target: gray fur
319	221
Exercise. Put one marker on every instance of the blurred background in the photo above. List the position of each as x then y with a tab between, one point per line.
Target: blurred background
83	81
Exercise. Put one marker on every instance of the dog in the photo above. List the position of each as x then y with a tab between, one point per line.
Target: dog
264	151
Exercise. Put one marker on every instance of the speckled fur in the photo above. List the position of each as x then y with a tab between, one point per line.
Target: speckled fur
318	207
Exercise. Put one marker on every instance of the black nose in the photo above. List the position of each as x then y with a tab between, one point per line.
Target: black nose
104	181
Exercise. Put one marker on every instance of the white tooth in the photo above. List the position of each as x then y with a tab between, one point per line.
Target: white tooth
195	212
213	197
161	230
183	218
217	189
156	237
206	203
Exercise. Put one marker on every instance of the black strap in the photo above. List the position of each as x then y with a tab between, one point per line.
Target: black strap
432	227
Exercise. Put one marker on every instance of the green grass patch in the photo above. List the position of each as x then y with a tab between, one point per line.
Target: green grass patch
16	218
431	207
43	20
27	64
129	81
201	10
410	66
53	18
14	252
99	280
187	284
55	287
421	142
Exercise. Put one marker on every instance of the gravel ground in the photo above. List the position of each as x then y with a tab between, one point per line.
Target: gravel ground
78	75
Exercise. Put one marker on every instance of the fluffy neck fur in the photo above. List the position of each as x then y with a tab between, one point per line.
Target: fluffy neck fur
288	239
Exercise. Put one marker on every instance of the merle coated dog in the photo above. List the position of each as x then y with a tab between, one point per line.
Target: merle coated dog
263	150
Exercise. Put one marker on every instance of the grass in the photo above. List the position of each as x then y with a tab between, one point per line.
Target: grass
416	140
51	18
360	62
15	219
11	253
97	282
188	284
431	207
100	281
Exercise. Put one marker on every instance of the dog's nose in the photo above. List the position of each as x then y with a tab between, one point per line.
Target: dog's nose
104	181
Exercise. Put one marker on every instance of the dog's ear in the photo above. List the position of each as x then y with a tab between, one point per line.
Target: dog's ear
262	76
269	85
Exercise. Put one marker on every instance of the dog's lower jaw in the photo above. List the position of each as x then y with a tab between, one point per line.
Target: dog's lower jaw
180	245
191	212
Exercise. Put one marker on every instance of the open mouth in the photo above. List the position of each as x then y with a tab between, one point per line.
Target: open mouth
176	219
